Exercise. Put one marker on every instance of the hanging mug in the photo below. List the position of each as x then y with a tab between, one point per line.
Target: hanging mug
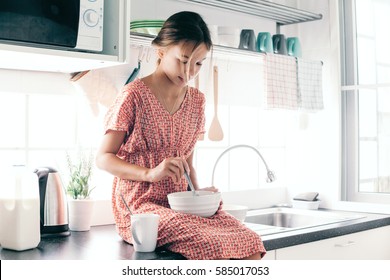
264	42
247	40
294	47
279	43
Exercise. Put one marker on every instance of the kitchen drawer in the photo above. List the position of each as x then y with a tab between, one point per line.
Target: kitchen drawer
371	244
269	256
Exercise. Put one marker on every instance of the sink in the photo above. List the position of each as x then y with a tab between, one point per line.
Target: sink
282	218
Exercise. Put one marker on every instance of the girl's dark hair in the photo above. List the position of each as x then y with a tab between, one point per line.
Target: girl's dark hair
184	26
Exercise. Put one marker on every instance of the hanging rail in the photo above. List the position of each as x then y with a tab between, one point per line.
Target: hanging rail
281	14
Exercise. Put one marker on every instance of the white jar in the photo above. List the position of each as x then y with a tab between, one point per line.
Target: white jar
19	209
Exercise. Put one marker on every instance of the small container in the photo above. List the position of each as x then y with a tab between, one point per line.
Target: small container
308	205
229	36
19	209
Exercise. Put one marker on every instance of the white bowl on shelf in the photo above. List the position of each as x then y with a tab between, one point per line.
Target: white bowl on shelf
204	204
229	36
237	211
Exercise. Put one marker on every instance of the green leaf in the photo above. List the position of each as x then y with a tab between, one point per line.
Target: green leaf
80	174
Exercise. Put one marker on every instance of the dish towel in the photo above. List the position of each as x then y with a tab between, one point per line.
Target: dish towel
309	85
281	82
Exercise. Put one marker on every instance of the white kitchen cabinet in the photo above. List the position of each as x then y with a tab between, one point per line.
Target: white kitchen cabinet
270	256
371	244
116	47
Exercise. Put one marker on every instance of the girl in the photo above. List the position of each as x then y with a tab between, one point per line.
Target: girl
150	134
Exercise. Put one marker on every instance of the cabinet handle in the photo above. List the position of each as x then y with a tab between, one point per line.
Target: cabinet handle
349	243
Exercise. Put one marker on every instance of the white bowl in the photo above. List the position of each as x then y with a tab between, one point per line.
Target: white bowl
237	211
223	30
229	36
309	205
228	41
205	204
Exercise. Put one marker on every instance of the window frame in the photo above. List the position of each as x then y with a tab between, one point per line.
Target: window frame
350	109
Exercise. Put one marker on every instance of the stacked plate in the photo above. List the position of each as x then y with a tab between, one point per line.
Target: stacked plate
151	27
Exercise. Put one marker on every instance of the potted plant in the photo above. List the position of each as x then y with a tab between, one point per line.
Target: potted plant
80	204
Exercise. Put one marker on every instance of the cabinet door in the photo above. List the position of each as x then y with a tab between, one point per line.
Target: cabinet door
269	256
371	244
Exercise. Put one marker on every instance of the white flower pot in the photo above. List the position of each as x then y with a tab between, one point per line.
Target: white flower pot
80	214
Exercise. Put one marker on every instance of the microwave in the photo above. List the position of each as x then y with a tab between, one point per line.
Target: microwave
64	24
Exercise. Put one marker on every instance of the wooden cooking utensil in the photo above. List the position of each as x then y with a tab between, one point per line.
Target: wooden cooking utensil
215	130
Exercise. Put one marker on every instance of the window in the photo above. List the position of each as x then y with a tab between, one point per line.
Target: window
40	129
366	100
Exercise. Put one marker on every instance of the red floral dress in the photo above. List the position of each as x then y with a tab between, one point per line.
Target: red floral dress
153	135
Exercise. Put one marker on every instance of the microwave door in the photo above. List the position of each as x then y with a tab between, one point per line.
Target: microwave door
49	22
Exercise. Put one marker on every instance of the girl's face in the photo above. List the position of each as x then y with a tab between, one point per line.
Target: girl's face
181	63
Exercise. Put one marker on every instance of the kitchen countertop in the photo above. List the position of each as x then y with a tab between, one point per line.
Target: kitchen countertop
294	237
102	242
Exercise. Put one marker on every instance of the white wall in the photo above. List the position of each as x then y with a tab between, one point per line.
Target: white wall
315	152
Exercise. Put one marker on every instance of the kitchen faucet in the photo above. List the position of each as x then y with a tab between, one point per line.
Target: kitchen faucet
270	174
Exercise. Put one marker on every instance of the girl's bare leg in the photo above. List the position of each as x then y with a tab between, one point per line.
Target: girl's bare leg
253	257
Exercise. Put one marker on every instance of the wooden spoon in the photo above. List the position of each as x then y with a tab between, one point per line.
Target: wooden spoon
215	131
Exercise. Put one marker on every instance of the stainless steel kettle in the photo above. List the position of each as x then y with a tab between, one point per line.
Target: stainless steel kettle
53	203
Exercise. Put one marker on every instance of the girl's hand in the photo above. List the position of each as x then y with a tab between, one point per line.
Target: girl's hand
169	167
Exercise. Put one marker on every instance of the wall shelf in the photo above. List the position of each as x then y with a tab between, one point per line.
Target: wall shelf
281	14
144	40
278	13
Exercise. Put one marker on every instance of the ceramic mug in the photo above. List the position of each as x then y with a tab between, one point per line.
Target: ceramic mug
264	42
247	40
279	44
144	229
294	47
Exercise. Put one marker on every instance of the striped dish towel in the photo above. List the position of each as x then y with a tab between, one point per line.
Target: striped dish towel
310	85
281	82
